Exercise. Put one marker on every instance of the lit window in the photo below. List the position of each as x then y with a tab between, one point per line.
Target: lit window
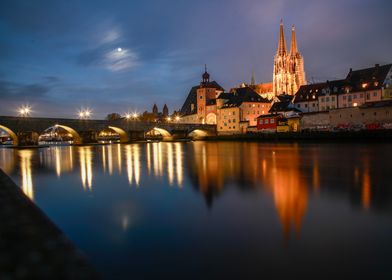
272	120
266	121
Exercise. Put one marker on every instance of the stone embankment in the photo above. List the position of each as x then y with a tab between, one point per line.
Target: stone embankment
31	246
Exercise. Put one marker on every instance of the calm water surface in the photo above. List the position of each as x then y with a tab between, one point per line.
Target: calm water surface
218	210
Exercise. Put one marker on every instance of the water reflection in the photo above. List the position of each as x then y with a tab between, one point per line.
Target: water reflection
289	174
26	174
86	171
133	164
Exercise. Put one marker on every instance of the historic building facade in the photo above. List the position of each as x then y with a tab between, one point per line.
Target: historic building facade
289	73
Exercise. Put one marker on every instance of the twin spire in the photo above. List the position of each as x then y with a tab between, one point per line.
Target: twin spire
282	41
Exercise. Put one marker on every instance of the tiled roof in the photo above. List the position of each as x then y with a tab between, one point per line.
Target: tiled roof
368	78
241	95
192	99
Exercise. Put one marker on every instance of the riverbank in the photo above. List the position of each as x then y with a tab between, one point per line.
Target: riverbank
31	246
339	136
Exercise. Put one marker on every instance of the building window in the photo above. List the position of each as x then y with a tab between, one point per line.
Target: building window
361	95
375	113
272	121
355	96
306	105
344	97
333	98
375	94
367	95
299	106
261	122
201	96
266	121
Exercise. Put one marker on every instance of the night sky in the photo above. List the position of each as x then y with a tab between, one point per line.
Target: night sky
59	56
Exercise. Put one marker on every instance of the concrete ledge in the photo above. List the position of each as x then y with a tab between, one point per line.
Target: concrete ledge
31	246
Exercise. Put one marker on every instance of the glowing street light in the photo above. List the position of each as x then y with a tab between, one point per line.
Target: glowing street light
135	115
168	119
177	118
24	111
127	116
84	113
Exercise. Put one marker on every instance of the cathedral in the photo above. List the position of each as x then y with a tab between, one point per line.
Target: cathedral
289	73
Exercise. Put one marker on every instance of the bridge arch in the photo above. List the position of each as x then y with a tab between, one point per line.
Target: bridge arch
11	133
198	133
165	134
124	138
75	135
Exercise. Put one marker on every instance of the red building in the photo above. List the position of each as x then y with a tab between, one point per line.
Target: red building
268	122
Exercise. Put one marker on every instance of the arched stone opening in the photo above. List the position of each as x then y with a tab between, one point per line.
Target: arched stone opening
158	134
211	118
124	138
198	134
60	134
12	134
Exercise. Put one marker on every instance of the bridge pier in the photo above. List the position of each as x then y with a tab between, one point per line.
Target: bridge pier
28	138
136	135
88	137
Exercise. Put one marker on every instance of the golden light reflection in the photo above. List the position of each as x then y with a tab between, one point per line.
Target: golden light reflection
366	189
86	173
148	158
179	166
119	158
25	167
132	154
7	160
110	160
170	163
104	158
276	169
58	161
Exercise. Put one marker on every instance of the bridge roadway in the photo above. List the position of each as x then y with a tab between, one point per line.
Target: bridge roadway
26	130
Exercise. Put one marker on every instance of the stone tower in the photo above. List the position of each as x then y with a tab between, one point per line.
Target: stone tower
165	111
289	72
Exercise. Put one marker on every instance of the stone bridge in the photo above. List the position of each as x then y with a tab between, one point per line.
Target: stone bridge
25	130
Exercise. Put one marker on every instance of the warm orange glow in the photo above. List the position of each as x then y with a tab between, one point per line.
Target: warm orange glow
86	172
25	167
366	189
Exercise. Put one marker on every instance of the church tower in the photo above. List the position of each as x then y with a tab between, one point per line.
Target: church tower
289	72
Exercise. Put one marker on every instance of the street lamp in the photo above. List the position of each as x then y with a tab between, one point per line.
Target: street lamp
168	119
84	113
24	111
135	115
177	118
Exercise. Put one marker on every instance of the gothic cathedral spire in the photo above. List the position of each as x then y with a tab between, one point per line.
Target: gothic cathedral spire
293	47
282	41
289	72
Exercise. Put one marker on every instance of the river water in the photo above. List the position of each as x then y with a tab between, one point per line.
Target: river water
218	210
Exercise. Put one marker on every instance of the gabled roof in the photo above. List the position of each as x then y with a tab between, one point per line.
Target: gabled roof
241	95
309	92
368	78
192	98
283	106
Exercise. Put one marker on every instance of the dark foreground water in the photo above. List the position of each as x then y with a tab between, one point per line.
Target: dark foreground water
218	210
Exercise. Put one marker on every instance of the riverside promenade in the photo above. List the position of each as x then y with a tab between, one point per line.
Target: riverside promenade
31	246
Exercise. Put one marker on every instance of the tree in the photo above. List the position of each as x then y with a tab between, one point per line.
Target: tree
113	116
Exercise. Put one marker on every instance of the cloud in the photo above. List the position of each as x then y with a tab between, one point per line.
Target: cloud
20	91
120	59
113	59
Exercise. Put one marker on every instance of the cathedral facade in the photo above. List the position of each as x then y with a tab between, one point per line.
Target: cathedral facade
289	73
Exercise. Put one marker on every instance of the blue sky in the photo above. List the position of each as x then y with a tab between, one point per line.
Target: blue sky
59	56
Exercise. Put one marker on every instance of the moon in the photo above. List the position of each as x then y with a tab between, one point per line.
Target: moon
119	49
